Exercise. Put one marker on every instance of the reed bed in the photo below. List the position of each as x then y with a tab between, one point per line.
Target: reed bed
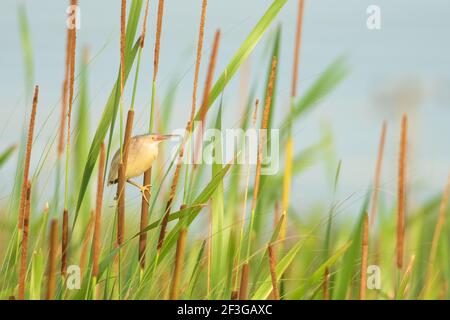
220	243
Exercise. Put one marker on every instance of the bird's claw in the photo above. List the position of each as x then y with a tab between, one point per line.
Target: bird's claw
144	190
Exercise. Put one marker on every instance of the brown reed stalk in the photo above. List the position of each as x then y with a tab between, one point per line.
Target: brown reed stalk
189	125
201	34
51	271
148	174
64	242
98	212
265	119
65	94
71	78
209	78
298	40
243	290
144	219
326	284
123	21
437	234
402	191
122	180
179	258
73	49
290	144
85	244
144	25
273	272
26	167
376	183
167	211
406	275
24	247
244	202
128	132
158	38
364	257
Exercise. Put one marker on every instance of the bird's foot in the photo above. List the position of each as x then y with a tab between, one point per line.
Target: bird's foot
144	191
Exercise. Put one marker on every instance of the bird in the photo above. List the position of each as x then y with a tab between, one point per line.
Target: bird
142	152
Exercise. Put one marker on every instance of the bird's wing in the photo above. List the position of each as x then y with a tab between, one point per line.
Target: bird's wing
114	168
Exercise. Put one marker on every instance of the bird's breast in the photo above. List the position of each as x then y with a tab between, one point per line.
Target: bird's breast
140	159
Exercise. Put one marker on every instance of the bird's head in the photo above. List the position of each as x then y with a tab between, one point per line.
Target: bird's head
157	138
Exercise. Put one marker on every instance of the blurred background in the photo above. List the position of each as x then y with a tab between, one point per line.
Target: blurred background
403	67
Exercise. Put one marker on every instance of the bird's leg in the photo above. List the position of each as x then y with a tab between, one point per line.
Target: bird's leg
143	189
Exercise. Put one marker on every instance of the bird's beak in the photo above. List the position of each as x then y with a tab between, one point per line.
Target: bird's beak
162	137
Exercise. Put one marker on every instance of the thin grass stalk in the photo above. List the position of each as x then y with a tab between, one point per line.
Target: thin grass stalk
71	79
208	84
24	247
51	271
436	236
120	205
262	140
65	230
190	122
148	173
201	34
298	41
326	284
287	178
243	290
123	22
377	180
273	272
364	257
244	203
209	254
128	132
174	184
85	244
406	276
144	219
64	96
26	168
144	25
122	179
402	192
141	47
144	204
64	242
96	241
158	38
179	259
64	113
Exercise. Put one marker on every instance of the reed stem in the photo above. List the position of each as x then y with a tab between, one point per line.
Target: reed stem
364	257
402	192
98	213
26	167
24	247
51	271
376	184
